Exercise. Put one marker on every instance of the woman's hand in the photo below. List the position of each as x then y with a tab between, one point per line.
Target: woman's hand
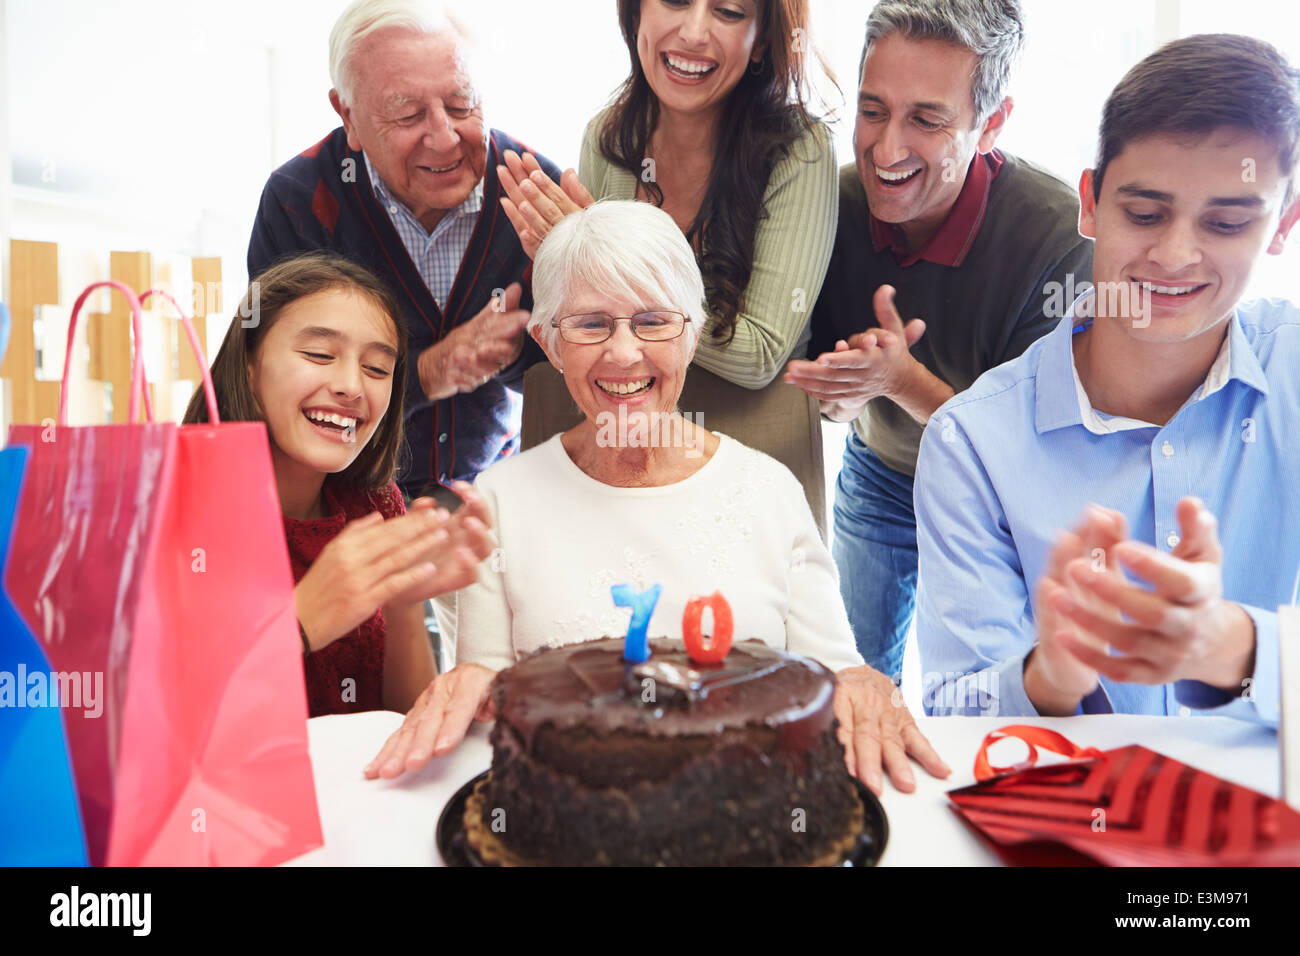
438	721
370	563
455	549
533	202
875	727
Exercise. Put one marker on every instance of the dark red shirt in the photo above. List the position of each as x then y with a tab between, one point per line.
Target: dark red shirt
949	245
358	656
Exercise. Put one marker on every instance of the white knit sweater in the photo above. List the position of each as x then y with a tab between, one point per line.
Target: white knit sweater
740	525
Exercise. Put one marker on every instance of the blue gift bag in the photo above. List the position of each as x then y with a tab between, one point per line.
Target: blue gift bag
40	819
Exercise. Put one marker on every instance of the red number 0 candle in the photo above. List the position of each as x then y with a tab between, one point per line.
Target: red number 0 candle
719	644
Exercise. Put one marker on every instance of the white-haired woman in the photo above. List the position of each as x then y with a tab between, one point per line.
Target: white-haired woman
637	494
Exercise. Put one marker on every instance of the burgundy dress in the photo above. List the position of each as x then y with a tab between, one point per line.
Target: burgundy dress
359	655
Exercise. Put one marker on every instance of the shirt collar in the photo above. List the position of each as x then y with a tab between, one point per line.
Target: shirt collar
949	245
471	206
1060	396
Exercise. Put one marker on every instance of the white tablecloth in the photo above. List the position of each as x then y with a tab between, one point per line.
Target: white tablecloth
392	822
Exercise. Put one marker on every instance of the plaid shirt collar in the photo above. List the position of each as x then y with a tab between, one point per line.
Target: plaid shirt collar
403	217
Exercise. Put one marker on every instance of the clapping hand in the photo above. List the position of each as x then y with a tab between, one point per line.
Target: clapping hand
533	202
865	366
455	549
1180	628
475	351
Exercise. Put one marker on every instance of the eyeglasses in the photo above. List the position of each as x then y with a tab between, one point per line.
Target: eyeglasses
596	328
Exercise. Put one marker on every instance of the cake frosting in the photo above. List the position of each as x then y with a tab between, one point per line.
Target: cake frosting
600	761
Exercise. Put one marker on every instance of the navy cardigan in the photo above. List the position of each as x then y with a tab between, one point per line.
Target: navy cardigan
322	199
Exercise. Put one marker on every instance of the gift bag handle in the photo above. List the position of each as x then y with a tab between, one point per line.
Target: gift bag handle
209	390
1033	737
137	360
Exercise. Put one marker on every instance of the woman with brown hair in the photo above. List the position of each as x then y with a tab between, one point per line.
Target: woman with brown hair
313	352
714	124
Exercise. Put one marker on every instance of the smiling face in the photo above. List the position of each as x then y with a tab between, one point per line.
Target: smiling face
1179	222
694	52
915	133
623	370
323	376
417	116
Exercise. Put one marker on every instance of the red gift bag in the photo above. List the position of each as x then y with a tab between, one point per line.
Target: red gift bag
1124	807
150	560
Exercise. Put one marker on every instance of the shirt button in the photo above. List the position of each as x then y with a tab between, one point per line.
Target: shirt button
1172	540
1184	711
393	210
1167	450
442	437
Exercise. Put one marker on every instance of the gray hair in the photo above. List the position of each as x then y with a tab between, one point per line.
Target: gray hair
632	250
991	29
364	17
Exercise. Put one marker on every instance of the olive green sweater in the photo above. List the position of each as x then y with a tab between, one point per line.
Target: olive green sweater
1006	293
792	249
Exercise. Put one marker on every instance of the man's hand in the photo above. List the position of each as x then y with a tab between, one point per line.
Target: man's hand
475	351
1055	679
438	721
1182	629
876	728
533	202
868	365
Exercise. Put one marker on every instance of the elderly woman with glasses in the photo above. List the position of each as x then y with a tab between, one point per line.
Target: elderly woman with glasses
638	494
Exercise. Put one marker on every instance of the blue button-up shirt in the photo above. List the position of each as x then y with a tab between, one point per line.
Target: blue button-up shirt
437	254
1020	454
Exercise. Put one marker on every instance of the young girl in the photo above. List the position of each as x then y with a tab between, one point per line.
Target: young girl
315	352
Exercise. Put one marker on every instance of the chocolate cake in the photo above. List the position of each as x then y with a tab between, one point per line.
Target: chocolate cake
599	761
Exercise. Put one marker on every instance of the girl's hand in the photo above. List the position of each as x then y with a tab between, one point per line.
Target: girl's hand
438	721
460	543
533	202
366	566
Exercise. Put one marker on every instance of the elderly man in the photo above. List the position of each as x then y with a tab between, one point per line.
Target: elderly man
407	186
934	222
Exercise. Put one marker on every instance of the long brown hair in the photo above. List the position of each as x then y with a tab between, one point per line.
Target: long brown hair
268	295
767	111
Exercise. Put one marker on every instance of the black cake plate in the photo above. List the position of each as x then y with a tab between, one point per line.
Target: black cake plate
456	851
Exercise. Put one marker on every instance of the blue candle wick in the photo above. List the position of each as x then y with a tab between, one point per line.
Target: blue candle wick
636	647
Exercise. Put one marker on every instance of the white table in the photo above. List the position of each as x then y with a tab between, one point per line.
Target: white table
391	822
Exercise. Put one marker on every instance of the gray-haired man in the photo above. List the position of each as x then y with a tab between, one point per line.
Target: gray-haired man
934	222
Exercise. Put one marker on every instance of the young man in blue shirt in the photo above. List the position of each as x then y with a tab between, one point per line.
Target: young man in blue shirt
1159	422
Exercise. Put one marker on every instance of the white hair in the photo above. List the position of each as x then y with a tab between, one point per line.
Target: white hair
620	248
364	17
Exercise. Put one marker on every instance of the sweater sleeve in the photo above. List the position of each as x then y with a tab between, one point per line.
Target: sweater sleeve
483	617
816	624
792	249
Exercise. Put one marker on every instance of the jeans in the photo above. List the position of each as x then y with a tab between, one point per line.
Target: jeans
875	549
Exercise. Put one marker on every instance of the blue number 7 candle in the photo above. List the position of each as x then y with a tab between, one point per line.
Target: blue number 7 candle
635	646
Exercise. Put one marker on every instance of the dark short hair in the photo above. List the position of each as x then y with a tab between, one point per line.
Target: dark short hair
1199	84
268	295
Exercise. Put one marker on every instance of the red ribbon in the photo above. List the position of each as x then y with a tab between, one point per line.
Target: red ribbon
1033	737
